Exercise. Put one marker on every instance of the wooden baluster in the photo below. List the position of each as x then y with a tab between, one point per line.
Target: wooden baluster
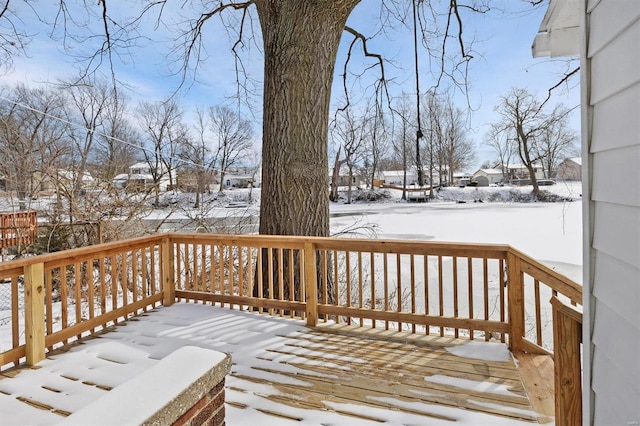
311	284
515	295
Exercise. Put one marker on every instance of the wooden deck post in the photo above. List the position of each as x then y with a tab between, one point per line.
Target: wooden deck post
567	335
168	284
34	312
311	283
515	294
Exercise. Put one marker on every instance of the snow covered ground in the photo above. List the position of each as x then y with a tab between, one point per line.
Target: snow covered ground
549	232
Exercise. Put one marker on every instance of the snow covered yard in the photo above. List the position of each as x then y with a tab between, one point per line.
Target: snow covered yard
284	373
549	232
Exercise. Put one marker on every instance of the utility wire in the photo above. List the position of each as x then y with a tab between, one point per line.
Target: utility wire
417	74
80	126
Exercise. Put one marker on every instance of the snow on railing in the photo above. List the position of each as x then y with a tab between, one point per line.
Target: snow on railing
56	298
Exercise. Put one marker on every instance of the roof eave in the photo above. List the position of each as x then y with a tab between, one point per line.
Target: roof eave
559	33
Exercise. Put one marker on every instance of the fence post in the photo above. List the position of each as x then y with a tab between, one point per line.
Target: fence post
567	335
168	284
515	294
34	312
310	279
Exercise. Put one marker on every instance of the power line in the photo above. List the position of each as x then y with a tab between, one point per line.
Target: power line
80	126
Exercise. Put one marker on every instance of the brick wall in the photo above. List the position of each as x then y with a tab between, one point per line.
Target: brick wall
207	411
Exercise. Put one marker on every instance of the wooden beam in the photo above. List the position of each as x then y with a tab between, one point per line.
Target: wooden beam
537	375
167	272
567	335
311	283
34	313
418	319
246	300
515	295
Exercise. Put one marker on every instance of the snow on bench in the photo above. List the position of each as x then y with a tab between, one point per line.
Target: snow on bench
162	393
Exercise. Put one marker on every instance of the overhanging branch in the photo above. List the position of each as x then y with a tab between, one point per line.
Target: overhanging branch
381	84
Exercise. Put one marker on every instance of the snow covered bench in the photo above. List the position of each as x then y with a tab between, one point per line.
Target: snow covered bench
186	386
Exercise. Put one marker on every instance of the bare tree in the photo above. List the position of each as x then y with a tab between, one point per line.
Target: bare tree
88	101
335	175
118	145
164	130
524	119
404	127
556	141
32	141
377	145
351	133
458	148
503	146
434	140
447	145
233	139
197	156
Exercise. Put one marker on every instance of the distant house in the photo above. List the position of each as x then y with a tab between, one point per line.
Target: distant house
462	178
570	169
343	177
69	177
120	181
237	181
140	178
396	177
519	172
486	177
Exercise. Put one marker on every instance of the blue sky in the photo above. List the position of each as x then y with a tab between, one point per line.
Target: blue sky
502	60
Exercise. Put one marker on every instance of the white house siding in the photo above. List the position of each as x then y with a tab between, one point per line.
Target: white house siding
611	98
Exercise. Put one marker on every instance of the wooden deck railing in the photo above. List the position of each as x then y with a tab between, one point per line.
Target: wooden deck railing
66	295
476	291
18	228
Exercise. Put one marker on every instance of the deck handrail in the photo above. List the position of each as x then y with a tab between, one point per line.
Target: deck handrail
488	291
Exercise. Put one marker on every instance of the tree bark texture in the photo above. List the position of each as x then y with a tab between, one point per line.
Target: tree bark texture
301	40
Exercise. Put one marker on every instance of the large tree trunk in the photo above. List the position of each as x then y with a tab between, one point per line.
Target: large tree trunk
301	40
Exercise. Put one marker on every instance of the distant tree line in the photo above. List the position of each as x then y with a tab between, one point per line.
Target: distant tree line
70	140
368	141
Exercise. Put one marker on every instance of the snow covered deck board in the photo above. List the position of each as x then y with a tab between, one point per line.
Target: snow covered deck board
376	372
285	373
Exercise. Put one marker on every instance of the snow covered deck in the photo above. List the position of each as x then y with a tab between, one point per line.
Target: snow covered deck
433	292
284	372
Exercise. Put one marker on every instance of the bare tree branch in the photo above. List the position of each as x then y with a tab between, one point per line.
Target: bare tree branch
564	79
192	49
381	85
12	39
